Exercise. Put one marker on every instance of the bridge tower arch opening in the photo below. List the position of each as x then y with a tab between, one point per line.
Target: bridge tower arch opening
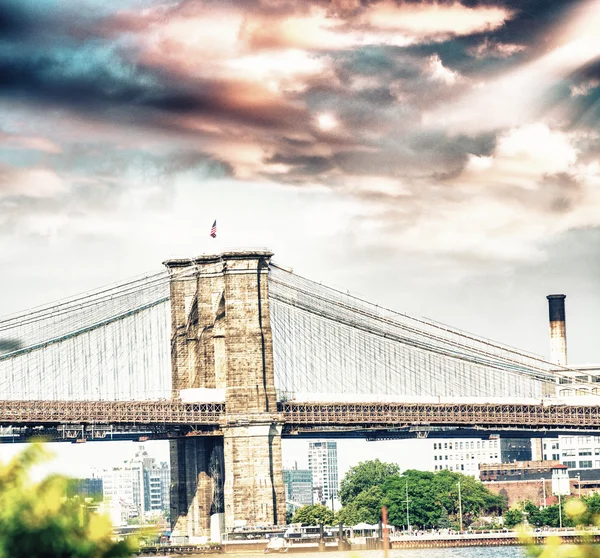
221	343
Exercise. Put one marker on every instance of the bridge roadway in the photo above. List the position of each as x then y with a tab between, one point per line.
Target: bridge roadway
173	418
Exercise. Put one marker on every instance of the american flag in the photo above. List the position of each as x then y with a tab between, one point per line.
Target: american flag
213	229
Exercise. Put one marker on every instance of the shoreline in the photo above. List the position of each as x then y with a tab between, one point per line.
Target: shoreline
408	542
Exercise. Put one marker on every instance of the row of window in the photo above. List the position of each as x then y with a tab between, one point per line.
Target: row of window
459	445
451	468
581	452
581	378
572	440
586	464
463	456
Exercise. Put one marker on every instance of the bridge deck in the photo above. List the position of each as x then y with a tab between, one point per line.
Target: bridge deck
336	416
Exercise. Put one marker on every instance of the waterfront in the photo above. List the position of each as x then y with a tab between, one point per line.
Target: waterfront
465	552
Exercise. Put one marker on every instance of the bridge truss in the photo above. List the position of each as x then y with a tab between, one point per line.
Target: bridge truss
164	419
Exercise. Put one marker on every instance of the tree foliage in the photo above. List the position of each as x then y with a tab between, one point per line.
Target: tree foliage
313	515
433	498
37	520
366	507
364	476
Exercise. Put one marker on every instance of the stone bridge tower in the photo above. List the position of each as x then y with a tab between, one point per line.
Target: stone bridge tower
221	340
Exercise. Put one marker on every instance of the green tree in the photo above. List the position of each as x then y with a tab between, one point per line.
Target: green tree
313	515
433	498
512	517
37	520
592	513
363	476
365	507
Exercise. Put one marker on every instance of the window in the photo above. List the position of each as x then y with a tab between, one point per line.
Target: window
555	446
434	445
568	440
585	451
556	456
450	446
478	445
462	467
445	445
446	458
435	459
585	464
569	453
570	464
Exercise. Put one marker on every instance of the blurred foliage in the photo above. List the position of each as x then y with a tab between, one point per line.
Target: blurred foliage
37	520
584	511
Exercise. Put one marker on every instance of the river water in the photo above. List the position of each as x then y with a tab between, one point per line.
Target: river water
465	552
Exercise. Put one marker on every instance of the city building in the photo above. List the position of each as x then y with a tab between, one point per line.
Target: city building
576	451
515	449
518	470
86	488
140	485
298	487
464	455
322	462
537	481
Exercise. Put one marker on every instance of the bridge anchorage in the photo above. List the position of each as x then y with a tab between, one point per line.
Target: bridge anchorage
225	354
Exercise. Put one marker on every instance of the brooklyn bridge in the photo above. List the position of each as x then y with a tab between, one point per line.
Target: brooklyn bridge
225	354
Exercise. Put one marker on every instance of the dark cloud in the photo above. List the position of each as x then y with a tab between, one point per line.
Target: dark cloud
379	93
14	21
118	90
303	165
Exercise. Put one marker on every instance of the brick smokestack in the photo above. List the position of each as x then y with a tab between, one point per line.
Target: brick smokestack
558	331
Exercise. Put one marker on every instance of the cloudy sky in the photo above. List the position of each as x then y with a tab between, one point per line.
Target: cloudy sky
439	158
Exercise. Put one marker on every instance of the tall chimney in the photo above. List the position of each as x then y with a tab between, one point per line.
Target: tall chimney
558	331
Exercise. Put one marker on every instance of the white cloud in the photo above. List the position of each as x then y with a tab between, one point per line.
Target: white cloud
30	182
439	72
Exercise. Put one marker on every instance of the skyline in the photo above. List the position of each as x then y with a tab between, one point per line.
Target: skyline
436	158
